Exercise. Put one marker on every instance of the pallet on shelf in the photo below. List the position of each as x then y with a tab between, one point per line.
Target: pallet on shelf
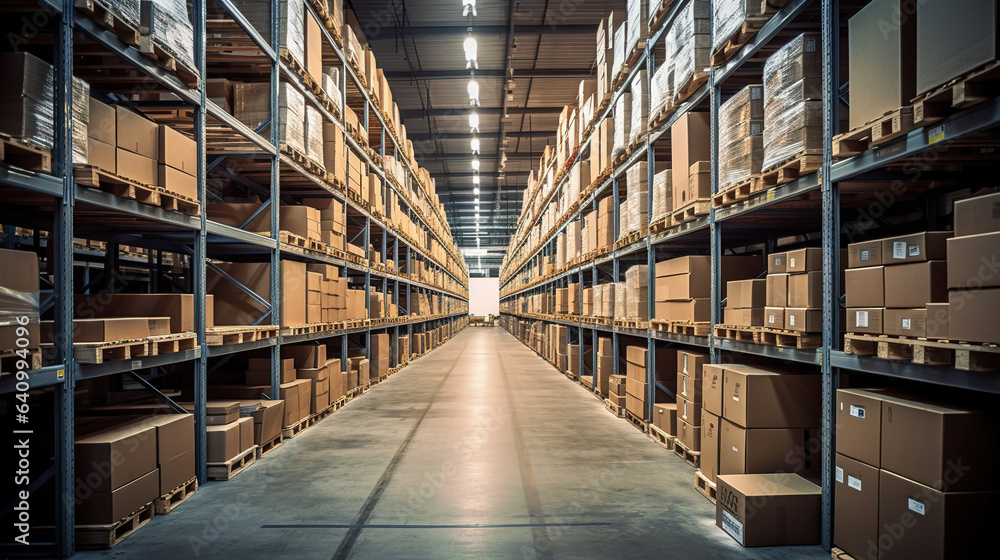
232	467
734	332
100	352
964	91
167	502
107	536
219	336
961	355
632	323
692	210
109	19
15	152
734	192
888	127
268	446
613	408
123	187
164	59
662	223
174	202
689	328
688	88
790	339
32	358
705	486
789	170
656	18
693	458
747	30
171	343
662	438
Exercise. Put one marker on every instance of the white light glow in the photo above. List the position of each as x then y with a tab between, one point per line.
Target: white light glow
475	190
468	7
470	52
475	145
474	122
477	208
475	164
473	93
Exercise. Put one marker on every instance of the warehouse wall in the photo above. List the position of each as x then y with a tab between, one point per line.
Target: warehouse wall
484	296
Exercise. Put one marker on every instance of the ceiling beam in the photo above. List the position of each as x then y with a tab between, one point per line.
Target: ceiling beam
421	136
484	111
460	174
462	30
468	155
560	73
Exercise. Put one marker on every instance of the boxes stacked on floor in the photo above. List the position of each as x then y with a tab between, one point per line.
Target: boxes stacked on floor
229	434
606	367
268	418
741	144
690	155
793	106
767	424
914	477
794	286
688	410
914	267
973	296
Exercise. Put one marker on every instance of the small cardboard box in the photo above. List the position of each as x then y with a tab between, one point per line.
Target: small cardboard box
916	284
712	387
865	287
804	260
136	167
855	511
777	263
769	509
689	411
177	182
919	247
743	294
136	134
868	320
689	435
757	398
224	442
777	290
864	254
805	290
980	214
102	155
800	319
177	150
101	126
665	417
764	450
689	387
774	317
859	425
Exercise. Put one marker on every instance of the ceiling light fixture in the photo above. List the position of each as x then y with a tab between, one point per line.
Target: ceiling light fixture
468	7
475	164
473	93
475	179
475	145
474	122
475	190
471	49
477	208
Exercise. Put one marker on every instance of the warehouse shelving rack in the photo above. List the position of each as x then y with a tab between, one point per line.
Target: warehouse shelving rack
198	238
758	222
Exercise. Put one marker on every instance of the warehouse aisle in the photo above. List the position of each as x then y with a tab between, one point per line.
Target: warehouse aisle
478	450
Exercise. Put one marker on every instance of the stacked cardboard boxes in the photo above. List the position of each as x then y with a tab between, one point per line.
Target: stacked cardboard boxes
690	153
974	286
234	307
745	302
689	368
683	285
741	144
606	367
793	108
19	284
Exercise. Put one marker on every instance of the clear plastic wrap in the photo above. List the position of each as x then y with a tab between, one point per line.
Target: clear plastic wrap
352	47
621	34
331	85
81	118
728	16
625	218
640	106
171	28
623	119
791	117
662	195
636	290
741	121
798	59
638	196
638	25
251	106
619	300
125	10
291	23
30	87
313	134
690	31
660	90
741	159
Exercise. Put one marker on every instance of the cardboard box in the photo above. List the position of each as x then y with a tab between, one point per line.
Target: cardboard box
971	261
688	435
246	433
855	510
743	294
665	417
769	509
234	307
777	290
224	442
101	126
924	522
102	155
938	320
952	39
710	434
108	507
101	330
757	398
115	456
635	405
774	317
635	387
176	150
777	263
690	137
805	290
865	287
689	387
859	425
947	447
177	182
804	260
691	363
689	411
919	247
865	253
268	417
905	322
176	470
138	168
764	450
980	214
179	307
882	65
695	310
136	134
800	319
972	315
916	284
868	320
712	388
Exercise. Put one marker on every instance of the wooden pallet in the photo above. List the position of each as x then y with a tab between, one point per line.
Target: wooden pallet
662	438
734	193
20	154
734	332
788	171
641	324
103	180
100	352
13	361
167	502
219	336
107	536
961	355
627	239
639	423
688	328
656	19
689	87
751	25
268	446
164	59
888	127
232	467
174	202
705	486
661	224
613	408
839	554
790	339
295	429
692	210
109	20
170	343
965	91
692	457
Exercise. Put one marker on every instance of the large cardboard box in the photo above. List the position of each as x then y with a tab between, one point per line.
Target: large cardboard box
742	294
115	456
743	317
689	411
777	263
710	442
868	320
177	182
695	310
102	330
665	417
224	442
916	284
953	37
865	287
757	398
102	155
918	247
972	315
136	134
923	522
689	435
859	425
176	150
268	417
179	307
768	509
802	319
690	143
855	514
101	126
865	253
107	507
691	363
689	387
764	450
774	317
882	65
777	290
176	470
905	322
712	388
804	260
971	261
136	167
947	447
805	290
234	307
980	214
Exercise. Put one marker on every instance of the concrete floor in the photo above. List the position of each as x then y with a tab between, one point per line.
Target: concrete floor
478	450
